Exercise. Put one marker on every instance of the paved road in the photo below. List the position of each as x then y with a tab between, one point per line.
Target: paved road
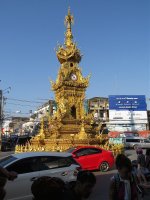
103	179
102	186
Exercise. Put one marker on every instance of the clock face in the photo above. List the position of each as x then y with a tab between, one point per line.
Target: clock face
73	77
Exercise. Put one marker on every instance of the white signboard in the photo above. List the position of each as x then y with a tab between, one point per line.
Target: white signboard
126	127
124	116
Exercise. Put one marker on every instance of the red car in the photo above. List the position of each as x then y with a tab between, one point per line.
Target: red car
92	158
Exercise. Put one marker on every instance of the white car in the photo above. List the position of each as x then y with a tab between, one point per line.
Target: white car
136	142
32	165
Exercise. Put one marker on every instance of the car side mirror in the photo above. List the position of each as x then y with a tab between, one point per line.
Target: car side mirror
75	156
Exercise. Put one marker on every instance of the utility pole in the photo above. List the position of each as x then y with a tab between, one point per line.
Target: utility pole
2	99
1	113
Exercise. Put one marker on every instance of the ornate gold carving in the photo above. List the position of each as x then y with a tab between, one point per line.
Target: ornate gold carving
82	135
70	51
68	21
69	126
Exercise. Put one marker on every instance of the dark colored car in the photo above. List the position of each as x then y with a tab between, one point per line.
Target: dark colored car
6	145
8	142
23	140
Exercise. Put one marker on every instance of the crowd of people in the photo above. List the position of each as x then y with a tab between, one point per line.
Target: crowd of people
127	184
46	188
130	182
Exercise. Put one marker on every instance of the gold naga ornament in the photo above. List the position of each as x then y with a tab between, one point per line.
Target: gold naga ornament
69	126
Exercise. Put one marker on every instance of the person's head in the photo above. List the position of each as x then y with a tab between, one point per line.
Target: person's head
139	151
47	188
124	166
85	183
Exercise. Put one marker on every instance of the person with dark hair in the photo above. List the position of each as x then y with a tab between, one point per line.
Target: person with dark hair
4	176
123	184
140	157
46	188
141	170
148	159
82	188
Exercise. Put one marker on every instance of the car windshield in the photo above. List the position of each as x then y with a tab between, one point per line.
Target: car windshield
70	161
7	160
147	141
70	150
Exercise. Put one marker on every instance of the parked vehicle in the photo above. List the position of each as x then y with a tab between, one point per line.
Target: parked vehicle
6	145
9	143
129	134
93	158
32	165
23	140
135	142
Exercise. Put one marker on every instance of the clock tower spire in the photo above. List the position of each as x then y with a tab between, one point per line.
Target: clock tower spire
70	85
69	20
68	51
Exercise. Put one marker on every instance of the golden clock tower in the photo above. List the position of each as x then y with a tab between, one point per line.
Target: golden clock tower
70	85
69	126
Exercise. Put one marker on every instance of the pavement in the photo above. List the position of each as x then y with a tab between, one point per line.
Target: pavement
101	189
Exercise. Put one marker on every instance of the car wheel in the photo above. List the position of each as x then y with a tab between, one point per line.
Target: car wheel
3	149
104	167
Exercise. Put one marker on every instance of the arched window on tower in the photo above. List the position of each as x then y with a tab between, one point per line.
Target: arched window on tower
73	112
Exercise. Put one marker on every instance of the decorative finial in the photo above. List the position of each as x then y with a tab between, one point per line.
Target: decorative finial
69	51
69	11
69	20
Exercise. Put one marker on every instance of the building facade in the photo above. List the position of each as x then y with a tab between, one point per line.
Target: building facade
14	125
100	106
48	108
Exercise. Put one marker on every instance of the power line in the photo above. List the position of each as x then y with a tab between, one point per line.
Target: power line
21	104
17	112
24	100
12	112
45	99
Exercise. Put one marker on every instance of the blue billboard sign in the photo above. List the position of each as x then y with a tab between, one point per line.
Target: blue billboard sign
127	102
